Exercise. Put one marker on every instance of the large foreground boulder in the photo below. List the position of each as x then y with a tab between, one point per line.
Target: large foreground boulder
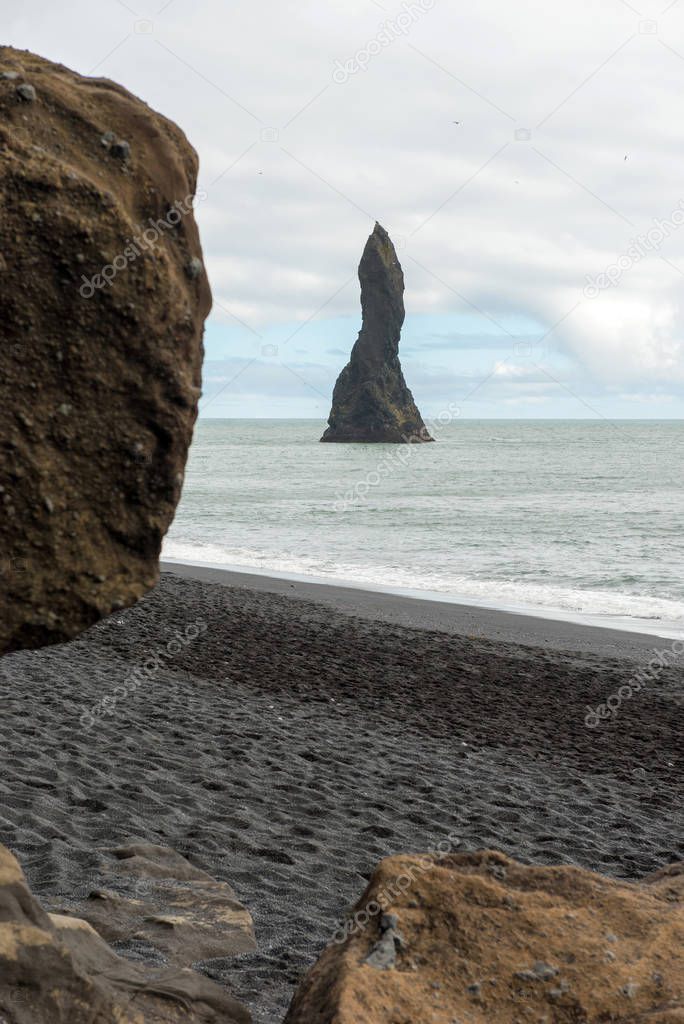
371	401
57	970
480	939
103	297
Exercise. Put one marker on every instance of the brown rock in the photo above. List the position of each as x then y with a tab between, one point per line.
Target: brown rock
479	938
152	894
55	970
100	380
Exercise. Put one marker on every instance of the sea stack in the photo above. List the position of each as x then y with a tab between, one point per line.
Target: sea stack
371	402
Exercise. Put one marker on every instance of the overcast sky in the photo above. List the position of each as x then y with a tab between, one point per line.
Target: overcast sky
526	294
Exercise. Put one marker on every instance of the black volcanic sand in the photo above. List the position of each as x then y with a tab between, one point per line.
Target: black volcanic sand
292	745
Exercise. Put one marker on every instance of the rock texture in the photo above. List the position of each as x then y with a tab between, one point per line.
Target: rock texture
57	970
371	401
480	939
149	897
102	344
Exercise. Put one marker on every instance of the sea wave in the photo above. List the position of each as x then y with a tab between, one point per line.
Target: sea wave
635	611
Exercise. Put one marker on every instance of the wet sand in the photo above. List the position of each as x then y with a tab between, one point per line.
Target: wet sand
456	618
285	737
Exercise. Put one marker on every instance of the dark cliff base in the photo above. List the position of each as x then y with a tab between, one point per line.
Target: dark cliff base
360	435
292	744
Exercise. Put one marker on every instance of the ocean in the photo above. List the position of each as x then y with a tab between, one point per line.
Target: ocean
569	519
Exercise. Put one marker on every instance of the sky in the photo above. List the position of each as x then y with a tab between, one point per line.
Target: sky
527	159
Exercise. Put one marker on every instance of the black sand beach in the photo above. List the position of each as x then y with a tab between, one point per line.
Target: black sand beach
288	736
444	616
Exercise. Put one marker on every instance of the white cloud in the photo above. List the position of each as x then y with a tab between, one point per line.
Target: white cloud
509	225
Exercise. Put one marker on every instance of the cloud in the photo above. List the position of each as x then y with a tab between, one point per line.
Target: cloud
462	342
502	216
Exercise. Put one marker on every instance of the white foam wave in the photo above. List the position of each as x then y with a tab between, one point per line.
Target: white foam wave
630	611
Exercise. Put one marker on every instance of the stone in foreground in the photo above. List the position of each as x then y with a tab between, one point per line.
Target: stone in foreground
479	938
102	320
149	896
371	402
57	970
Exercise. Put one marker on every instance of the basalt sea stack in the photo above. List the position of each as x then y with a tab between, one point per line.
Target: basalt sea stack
371	401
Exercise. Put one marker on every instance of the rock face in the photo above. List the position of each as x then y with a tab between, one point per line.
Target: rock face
55	970
479	938
103	297
371	401
150	896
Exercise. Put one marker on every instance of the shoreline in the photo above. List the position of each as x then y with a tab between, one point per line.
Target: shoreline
284	742
451	616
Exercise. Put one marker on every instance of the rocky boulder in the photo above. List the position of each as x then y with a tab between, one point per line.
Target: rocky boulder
152	901
480	939
371	401
57	970
103	297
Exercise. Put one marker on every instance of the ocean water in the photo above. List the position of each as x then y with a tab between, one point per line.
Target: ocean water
574	519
